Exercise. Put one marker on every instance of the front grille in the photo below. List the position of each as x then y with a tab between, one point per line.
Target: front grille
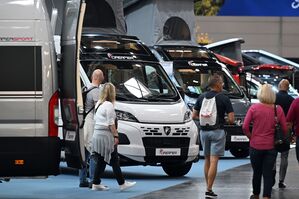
159	131
165	142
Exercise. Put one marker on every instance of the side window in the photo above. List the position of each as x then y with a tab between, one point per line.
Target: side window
175	28
21	68
253	88
267	60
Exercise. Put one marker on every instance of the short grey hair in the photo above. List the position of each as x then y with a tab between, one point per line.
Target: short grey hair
214	80
284	85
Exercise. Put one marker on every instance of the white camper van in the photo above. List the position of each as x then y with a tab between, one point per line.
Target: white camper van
155	126
29	90
154	123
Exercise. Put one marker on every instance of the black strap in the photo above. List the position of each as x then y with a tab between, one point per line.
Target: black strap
89	110
91	88
87	91
275	114
277	122
84	105
97	107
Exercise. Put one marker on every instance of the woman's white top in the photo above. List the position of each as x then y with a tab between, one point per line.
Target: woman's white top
102	140
105	114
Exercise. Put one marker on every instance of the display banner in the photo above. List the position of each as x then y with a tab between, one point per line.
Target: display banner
259	8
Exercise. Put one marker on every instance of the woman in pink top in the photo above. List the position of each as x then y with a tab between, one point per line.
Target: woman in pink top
262	152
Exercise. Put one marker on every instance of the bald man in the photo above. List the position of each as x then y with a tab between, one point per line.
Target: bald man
92	98
284	100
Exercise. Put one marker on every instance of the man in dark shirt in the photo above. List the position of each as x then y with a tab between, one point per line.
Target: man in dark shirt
213	141
284	100
282	97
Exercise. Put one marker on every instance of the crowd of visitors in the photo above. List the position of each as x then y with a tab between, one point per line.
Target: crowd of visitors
101	136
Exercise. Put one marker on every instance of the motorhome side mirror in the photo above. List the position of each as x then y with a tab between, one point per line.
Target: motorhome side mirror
244	90
181	91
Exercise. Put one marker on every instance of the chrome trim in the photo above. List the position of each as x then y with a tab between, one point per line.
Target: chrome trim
20	94
20	121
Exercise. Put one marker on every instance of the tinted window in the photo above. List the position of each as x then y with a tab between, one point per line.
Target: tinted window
113	46
99	14
265	59
177	53
21	68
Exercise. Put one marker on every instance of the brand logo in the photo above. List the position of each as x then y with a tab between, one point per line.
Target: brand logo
168	152
295	4
167	130
15	39
192	63
111	56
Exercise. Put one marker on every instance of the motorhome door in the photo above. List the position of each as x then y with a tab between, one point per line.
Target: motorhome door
71	97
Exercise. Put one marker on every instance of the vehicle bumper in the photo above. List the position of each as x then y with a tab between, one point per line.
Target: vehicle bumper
235	138
151	144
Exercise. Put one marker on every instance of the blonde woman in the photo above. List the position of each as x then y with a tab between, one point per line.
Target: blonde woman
262	152
105	140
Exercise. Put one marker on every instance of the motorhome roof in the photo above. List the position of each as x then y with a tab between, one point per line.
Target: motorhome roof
96	46
109	36
25	10
186	52
281	59
177	45
224	42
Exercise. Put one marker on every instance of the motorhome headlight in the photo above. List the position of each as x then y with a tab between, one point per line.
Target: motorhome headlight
125	116
187	116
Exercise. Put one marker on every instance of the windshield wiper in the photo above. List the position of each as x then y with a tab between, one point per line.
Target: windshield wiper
121	97
161	97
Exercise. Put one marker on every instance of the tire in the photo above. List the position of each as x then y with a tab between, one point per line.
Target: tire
177	170
239	152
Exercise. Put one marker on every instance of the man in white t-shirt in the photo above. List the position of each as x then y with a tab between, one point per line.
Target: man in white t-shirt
92	98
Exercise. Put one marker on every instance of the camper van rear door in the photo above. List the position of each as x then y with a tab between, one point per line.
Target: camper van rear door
69	85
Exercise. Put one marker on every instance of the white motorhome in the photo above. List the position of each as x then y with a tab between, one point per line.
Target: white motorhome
155	125
29	91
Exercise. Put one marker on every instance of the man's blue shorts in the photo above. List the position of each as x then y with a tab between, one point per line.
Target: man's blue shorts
213	142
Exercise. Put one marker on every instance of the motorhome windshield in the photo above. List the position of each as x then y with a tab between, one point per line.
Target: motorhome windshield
265	58
177	53
194	81
99	45
135	81
274	81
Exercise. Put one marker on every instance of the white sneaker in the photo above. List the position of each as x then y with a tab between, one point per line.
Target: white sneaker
99	187
126	185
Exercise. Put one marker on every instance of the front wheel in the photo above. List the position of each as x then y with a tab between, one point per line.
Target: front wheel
177	170
240	152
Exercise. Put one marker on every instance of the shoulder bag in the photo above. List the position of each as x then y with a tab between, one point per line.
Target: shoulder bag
281	142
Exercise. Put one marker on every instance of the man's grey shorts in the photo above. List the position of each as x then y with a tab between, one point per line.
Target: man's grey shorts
213	142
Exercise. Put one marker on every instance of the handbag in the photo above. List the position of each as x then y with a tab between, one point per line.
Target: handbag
281	142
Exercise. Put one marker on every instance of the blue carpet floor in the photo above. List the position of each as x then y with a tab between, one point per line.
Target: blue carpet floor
65	186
